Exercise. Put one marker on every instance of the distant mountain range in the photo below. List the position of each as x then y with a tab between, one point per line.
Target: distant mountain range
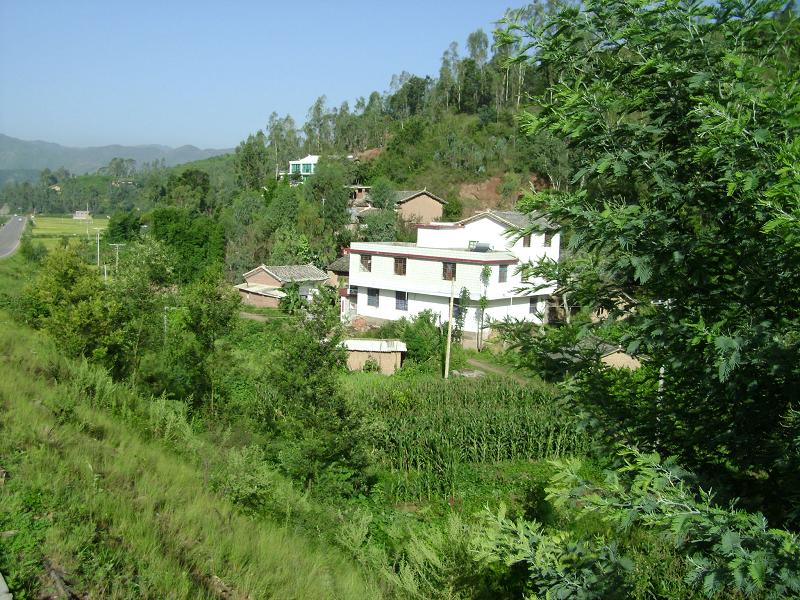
21	155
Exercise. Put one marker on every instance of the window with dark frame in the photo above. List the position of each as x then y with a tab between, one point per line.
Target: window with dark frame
448	271
399	266
366	263
533	303
548	239
372	296
401	300
502	276
526	241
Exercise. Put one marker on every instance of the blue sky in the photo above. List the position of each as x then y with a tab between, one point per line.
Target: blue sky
83	73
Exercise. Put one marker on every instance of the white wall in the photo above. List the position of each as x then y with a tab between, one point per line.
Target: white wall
489	231
498	310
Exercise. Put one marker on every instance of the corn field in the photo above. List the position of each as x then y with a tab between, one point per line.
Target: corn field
425	428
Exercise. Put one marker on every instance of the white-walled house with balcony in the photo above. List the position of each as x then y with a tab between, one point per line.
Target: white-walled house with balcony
392	280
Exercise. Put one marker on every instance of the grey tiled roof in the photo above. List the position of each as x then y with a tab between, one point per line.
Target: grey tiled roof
516	219
401	196
287	273
341	264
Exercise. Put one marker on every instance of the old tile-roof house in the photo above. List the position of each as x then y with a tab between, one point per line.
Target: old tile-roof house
262	286
414	206
419	206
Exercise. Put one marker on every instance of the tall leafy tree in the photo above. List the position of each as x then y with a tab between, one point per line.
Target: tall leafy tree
251	162
686	116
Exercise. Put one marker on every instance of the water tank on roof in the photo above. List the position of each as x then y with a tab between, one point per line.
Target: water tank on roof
482	247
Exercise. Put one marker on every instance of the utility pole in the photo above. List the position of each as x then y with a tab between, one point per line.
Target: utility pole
116	247
97	229
449	330
105	272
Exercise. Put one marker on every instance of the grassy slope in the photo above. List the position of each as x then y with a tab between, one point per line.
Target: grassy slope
119	513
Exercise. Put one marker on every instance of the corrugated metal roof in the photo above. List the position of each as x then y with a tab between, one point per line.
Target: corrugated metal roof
367	345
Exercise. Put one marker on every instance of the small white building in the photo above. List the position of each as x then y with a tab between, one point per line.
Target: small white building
392	280
304	167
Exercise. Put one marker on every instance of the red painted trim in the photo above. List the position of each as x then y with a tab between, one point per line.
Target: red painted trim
499	261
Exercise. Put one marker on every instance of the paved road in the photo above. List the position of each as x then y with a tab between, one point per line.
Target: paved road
10	234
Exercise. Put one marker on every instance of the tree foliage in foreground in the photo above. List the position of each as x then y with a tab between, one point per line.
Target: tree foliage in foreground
727	551
686	116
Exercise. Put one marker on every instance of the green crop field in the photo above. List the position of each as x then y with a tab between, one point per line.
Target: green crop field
50	230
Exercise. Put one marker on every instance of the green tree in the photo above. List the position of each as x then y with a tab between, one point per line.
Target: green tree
382	195
320	434
290	248
123	227
251	162
196	241
69	301
380	226
685	116
327	189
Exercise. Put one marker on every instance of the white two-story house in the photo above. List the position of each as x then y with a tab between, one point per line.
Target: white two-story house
392	280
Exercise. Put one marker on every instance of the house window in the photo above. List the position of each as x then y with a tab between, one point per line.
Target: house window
295	168
399	266
533	304
372	297
526	241
366	263
503	275
307	168
401	300
548	239
448	271
352	290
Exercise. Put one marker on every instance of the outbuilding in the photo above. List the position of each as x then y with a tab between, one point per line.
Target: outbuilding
386	354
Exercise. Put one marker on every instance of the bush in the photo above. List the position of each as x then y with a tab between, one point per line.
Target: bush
31	251
371	366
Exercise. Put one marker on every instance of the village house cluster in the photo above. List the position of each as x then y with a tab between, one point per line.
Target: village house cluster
387	281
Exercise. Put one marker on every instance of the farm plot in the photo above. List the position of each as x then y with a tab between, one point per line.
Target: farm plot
51	231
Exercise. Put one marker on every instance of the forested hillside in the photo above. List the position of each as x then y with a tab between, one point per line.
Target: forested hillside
152	435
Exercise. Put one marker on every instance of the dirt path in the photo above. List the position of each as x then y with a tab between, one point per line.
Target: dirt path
252	316
497	370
